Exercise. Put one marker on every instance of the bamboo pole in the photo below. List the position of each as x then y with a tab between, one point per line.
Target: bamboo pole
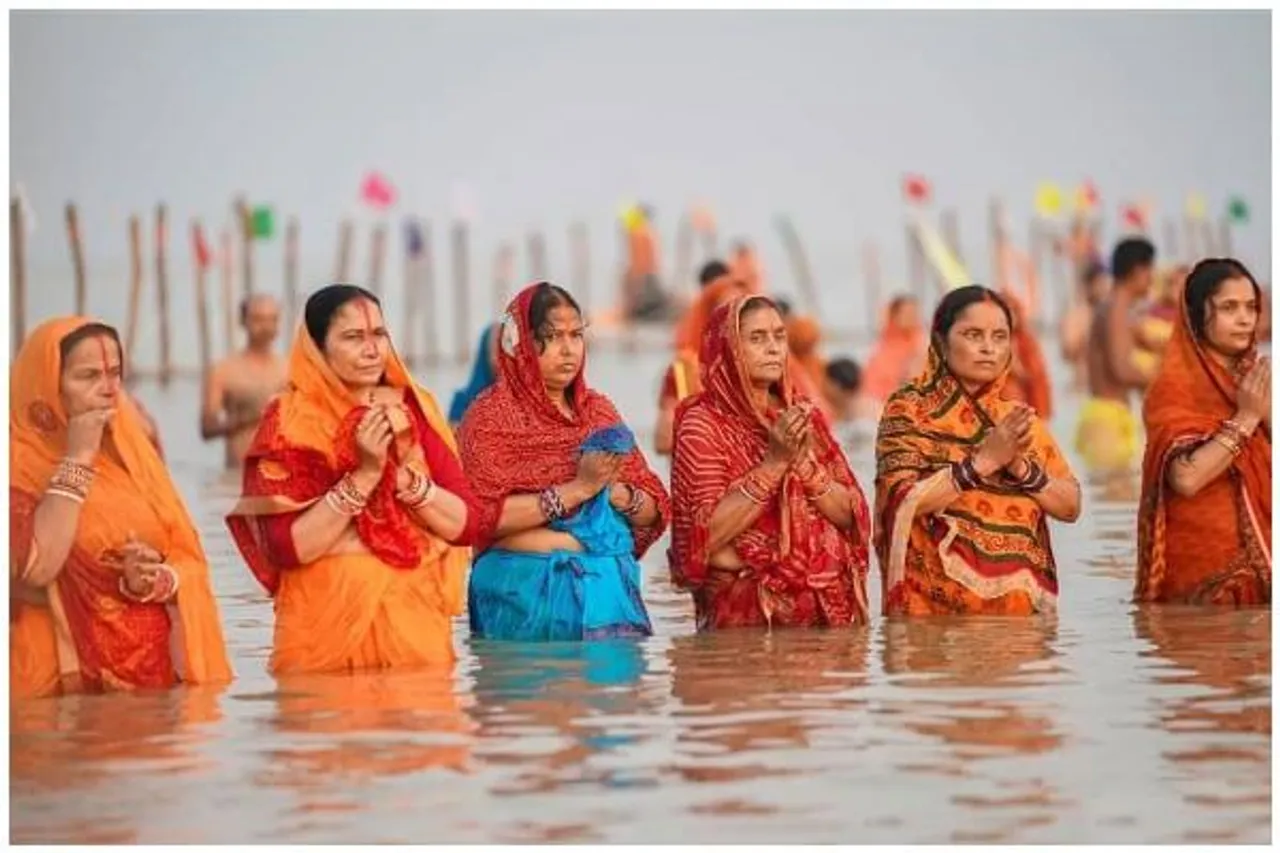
202	297
1170	247
504	270
462	291
995	229
871	283
246	243
799	265
77	258
431	333
683	274
580	265
1224	238
412	258
377	257
135	290
537	248
162	294
950	227
226	267
18	268
291	238
346	233
915	264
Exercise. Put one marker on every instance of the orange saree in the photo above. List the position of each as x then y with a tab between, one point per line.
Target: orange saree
1030	382
79	633
684	377
896	354
989	551
1215	547
385	593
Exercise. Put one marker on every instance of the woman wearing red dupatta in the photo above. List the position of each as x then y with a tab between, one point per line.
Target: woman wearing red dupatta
966	478
355	514
1204	521
770	526
566	502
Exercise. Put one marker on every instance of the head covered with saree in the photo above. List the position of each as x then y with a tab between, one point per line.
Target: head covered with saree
100	637
721	435
515	440
1227	525
991	541
897	349
306	442
1033	386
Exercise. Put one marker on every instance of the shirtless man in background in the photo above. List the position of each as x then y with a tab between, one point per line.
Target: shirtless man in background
238	388
1108	435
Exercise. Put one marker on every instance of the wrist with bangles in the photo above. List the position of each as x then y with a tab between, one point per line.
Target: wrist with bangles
1232	436
759	484
345	498
70	480
635	501
551	502
818	483
420	491
162	591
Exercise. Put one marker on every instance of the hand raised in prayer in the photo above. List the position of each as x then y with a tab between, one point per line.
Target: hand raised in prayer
1005	443
84	434
788	434
373	439
597	470
1253	399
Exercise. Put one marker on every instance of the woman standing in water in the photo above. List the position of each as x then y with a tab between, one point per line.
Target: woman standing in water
1204	521
354	514
109	585
966	479
770	526
567	503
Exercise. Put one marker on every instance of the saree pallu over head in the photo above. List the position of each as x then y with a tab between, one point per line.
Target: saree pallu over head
79	632
894	355
306	442
1215	547
791	549
989	550
514	440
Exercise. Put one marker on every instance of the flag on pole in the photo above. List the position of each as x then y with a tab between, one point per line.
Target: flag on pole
1086	197
204	256
1048	200
414	244
916	189
1133	216
1197	207
262	223
377	192
1238	210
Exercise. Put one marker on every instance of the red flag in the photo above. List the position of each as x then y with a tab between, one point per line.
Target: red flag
916	189
377	192
1133	216
204	257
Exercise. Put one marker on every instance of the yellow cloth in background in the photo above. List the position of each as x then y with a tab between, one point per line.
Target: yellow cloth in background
1107	435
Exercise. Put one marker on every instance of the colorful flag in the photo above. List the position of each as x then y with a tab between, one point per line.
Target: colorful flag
377	192
1086	197
1238	210
916	189
1197	207
1133	216
262	223
1048	200
414	243
204	256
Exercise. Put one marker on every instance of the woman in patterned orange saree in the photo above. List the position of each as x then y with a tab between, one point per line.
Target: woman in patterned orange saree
769	527
354	514
109	587
1204	521
684	377
966	479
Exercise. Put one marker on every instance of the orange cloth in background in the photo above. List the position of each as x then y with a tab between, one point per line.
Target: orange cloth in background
1215	547
892	361
347	610
683	378
79	633
1033	386
642	258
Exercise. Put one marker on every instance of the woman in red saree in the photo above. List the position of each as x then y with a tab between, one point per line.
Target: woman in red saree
354	514
1204	521
966	478
566	503
109	587
770	527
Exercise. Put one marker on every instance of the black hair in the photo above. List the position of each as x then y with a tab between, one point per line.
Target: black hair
88	330
958	301
547	296
325	302
758	303
1205	280
711	271
845	373
1130	255
898	301
783	305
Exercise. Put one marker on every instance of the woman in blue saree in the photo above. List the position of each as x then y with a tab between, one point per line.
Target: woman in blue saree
567	503
483	374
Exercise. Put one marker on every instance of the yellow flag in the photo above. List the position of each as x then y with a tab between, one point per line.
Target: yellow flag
1197	207
1048	200
940	257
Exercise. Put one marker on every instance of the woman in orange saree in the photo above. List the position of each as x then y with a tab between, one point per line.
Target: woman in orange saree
898	351
354	514
1204	521
684	377
769	525
966	479
109	587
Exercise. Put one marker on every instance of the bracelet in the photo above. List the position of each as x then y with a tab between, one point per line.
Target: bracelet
420	492
1232	445
65	493
552	504
71	480
759	486
345	499
964	475
819	484
635	505
1035	480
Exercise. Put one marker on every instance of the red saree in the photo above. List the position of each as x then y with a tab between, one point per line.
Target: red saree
800	569
1215	547
513	440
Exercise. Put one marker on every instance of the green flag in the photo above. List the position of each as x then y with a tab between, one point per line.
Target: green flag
262	223
1238	210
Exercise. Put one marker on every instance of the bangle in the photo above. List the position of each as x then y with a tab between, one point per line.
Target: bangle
964	475
71	480
345	499
635	505
552	504
128	594
420	492
65	493
759	486
1035	480
1231	443
166	586
819	484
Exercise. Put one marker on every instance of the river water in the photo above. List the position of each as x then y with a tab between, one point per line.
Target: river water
1104	724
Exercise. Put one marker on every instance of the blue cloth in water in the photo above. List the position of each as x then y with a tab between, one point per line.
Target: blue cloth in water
482	376
564	595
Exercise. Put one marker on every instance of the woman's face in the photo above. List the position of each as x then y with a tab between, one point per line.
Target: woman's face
1231	317
357	344
977	347
91	376
764	345
562	347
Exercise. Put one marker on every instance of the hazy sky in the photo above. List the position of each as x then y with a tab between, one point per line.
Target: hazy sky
545	117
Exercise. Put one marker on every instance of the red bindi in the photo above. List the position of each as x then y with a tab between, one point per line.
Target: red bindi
102	346
368	318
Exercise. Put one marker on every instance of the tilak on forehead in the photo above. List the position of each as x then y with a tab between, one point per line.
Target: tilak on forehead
102	348
368	316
